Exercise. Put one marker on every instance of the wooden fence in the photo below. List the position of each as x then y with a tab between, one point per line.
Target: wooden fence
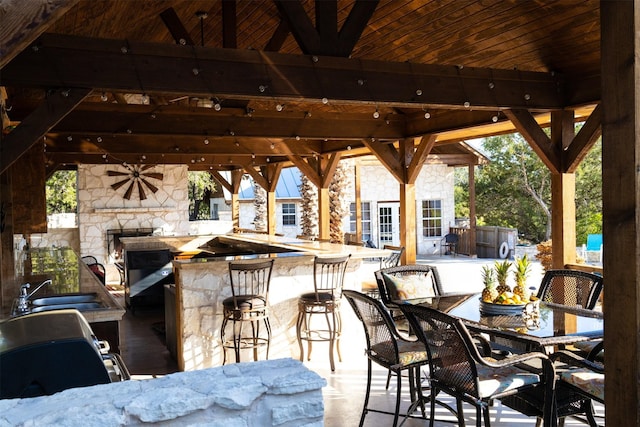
491	242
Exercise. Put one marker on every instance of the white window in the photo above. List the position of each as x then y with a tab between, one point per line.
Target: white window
366	219
432	218
288	214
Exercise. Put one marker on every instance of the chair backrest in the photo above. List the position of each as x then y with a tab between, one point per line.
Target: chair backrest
250	277
571	287
426	274
89	259
99	271
394	257
594	242
379	328
328	274
452	354
451	238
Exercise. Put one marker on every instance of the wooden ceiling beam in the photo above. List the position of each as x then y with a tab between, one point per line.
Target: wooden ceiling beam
105	118
424	147
388	156
540	143
25	21
56	105
356	22
229	24
119	65
584	141
175	27
325	39
278	37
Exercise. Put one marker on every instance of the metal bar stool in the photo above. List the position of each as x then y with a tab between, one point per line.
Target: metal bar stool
248	304
328	276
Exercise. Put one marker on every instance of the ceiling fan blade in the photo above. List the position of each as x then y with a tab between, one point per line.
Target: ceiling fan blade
119	184
143	196
116	173
154	175
127	194
149	185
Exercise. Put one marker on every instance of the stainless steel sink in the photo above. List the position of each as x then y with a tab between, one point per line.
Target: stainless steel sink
78	306
65	299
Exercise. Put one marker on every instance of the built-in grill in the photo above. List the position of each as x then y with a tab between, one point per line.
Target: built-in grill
44	353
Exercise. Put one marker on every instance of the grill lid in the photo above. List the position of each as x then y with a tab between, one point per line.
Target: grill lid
43	327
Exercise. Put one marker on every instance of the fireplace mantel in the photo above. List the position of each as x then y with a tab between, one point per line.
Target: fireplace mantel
134	209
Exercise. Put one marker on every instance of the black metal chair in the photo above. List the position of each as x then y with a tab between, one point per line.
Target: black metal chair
392	260
387	348
571	287
89	259
248	304
582	376
328	277
458	369
389	280
449	244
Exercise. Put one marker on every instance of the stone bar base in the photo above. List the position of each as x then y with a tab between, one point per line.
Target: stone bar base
267	393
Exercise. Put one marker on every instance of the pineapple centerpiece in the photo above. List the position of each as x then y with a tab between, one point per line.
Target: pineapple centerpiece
502	274
520	274
489	293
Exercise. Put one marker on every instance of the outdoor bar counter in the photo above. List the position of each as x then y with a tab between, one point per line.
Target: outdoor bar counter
69	275
202	283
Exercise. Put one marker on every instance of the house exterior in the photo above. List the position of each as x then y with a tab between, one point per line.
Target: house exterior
379	195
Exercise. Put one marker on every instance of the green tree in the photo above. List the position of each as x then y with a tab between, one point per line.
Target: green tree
589	194
514	189
461	192
201	185
61	192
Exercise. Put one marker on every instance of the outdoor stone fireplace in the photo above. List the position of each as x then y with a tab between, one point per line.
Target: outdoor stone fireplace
103	206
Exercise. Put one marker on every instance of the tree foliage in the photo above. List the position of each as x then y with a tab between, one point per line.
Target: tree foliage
589	195
201	185
61	192
514	190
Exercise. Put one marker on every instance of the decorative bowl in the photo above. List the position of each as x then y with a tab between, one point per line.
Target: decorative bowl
491	309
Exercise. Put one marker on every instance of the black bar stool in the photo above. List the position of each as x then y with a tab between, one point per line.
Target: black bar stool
248	304
328	276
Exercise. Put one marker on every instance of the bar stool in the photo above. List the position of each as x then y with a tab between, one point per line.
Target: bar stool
328	276
248	304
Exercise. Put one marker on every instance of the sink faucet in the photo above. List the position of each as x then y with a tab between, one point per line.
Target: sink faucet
24	297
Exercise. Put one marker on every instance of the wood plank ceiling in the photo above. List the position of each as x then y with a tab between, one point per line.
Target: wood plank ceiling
221	84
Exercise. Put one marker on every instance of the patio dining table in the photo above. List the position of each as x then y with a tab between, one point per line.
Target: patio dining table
552	326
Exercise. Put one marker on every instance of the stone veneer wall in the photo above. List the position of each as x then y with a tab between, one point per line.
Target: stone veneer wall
101	208
268	393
